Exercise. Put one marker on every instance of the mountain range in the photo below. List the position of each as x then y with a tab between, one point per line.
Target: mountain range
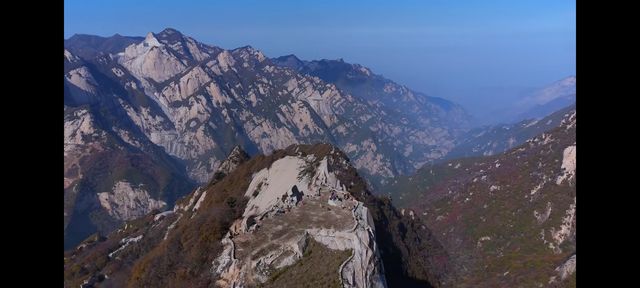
164	110
190	165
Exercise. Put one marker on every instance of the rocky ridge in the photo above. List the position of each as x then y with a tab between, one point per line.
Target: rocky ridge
252	224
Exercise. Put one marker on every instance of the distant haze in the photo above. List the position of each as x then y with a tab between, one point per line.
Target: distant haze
481	54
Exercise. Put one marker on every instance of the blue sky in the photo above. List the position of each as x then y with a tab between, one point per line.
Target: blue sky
478	53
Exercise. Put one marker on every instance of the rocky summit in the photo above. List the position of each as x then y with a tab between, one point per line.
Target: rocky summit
299	215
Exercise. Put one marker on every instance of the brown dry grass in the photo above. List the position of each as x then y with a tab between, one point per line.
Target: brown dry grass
318	268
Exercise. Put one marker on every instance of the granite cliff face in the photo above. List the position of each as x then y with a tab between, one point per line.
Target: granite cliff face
289	205
110	174
261	223
423	128
184	105
198	101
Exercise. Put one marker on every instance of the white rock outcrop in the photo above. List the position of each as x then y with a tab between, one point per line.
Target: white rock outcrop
126	202
272	194
565	270
78	128
566	229
362	269
150	59
568	164
83	79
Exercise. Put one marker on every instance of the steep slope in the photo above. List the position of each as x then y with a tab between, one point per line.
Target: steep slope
379	91
110	173
430	124
491	140
262	223
507	220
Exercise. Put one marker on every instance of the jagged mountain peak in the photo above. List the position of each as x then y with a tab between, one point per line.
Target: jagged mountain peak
290	57
170	31
248	52
151	41
336	70
188	49
170	35
236	157
291	61
245	47
337	66
410	107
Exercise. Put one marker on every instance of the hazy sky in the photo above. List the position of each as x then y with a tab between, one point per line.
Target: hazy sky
478	53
